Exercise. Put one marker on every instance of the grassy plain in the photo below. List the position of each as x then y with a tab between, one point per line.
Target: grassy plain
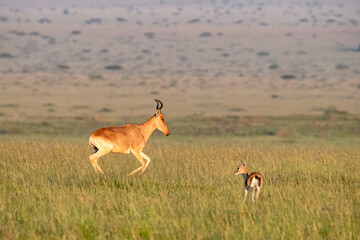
249	81
48	189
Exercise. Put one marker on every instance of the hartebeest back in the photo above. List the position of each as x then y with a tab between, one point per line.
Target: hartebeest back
127	139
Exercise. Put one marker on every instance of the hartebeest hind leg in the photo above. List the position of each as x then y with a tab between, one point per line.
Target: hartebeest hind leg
141	160
94	158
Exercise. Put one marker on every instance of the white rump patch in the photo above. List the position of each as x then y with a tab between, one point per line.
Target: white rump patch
255	184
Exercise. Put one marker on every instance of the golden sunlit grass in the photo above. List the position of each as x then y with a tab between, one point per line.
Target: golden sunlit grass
48	189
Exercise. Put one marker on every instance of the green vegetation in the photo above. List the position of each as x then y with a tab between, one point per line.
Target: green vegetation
48	188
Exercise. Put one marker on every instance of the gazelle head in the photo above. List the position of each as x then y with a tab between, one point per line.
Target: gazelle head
159	119
241	169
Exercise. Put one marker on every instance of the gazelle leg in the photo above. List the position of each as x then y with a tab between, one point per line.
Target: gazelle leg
141	160
246	192
253	196
258	193
144	156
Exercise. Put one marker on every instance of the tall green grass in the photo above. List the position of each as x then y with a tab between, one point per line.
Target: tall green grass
48	190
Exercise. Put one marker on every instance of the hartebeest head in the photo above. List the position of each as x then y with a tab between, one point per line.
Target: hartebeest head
159	119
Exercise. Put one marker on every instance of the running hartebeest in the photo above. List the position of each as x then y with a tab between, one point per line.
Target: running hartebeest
253	181
126	139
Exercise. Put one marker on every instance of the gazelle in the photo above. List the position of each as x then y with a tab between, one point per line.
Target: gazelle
253	181
126	139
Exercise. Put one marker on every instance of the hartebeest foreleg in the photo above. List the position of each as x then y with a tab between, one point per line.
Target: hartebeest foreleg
143	155
141	160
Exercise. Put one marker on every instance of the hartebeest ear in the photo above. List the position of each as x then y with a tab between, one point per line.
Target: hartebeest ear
157	112
244	164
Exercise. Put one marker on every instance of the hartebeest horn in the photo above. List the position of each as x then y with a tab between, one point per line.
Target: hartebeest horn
158	103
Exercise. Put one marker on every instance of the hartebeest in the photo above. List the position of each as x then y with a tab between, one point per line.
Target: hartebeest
253	181
126	139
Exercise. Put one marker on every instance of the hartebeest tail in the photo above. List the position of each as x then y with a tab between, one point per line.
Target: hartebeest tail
253	181
127	139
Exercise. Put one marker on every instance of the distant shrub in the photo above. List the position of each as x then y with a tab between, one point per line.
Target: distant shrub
104	110
195	20
75	32
93	21
288	77
273	66
146	51
6	55
18	33
34	33
94	76
341	66
149	35
48	105
205	34
113	67
3	19
80	107
9	105
236	110
120	19
332	113
263	54
63	66
44	20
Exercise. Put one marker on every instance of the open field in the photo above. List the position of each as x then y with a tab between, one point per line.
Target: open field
49	189
273	83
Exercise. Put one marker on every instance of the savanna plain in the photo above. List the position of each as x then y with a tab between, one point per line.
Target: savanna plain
189	191
274	84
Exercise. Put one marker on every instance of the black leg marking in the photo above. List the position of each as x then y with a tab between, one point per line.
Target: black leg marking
96	149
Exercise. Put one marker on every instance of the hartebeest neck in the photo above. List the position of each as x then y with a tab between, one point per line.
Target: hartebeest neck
148	127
